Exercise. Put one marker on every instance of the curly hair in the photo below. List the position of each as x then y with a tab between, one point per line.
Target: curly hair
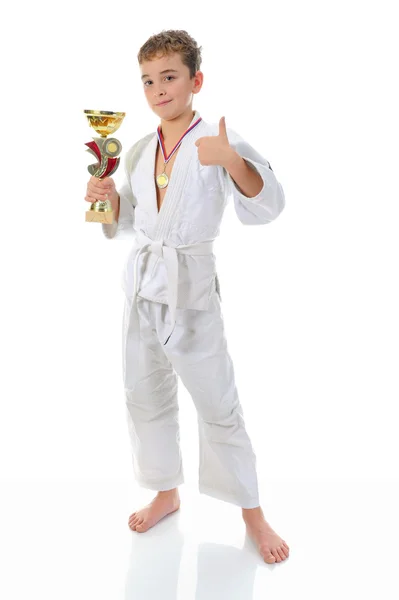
169	42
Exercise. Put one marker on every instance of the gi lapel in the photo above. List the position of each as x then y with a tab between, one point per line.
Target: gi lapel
147	181
180	170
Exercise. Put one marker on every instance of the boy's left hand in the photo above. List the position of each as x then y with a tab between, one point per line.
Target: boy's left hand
215	149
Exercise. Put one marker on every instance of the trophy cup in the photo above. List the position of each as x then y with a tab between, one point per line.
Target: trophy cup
106	151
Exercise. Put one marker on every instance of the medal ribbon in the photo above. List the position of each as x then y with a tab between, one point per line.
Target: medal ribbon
160	139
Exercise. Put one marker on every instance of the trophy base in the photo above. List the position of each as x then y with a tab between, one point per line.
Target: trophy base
100	217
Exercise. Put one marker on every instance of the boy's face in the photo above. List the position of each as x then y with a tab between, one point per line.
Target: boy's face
167	79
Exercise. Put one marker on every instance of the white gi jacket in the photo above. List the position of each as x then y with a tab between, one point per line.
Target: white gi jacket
190	215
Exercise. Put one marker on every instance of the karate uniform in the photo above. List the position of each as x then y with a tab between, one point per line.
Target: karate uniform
172	321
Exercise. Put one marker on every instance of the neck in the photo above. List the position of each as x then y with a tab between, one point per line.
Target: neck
174	128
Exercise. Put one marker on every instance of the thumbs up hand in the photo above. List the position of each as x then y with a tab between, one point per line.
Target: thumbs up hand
215	149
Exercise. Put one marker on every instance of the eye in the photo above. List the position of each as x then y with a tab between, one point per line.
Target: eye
166	76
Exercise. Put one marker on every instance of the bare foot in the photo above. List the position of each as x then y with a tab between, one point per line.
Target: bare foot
163	504
271	547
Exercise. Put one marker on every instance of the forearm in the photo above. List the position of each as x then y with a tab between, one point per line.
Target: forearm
247	179
115	201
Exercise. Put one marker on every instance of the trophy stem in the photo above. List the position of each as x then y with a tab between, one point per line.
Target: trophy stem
100	206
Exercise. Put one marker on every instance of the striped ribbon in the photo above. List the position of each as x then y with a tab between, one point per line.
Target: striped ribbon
161	142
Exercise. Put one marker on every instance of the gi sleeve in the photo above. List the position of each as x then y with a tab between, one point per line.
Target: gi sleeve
268	204
122	228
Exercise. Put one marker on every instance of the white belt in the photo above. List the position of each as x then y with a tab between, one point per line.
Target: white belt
169	254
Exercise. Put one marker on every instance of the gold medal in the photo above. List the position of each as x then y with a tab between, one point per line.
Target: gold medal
162	180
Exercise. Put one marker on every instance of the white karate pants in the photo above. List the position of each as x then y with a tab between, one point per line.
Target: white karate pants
197	353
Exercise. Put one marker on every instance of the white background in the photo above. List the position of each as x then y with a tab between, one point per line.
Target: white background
310	301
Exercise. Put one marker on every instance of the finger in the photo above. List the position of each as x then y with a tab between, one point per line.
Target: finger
107	182
96	181
222	127
98	191
98	194
90	199
99	183
96	198
197	143
97	186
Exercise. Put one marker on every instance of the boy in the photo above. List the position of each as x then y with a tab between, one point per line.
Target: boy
172	324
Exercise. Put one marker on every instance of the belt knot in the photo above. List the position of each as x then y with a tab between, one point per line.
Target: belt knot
156	247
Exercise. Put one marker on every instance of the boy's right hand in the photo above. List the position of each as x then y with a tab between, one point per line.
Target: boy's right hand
102	189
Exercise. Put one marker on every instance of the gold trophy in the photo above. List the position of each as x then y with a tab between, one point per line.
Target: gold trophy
106	151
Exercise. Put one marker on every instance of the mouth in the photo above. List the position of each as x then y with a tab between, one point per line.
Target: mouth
163	103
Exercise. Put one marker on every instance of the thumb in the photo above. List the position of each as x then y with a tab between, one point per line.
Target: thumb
222	127
108	182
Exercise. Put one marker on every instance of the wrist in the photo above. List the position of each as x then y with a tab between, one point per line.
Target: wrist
231	159
115	203
114	199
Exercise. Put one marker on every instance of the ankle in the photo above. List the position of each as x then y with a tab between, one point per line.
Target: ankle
171	492
252	512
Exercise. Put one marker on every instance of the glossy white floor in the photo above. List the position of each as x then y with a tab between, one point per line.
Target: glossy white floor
70	540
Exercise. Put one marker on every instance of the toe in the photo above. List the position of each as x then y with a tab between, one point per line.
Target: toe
131	518
281	553
141	527
276	555
136	521
268	556
285	545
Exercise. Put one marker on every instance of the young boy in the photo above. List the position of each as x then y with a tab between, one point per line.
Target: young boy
178	181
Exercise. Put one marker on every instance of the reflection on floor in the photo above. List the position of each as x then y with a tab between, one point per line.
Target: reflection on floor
70	539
